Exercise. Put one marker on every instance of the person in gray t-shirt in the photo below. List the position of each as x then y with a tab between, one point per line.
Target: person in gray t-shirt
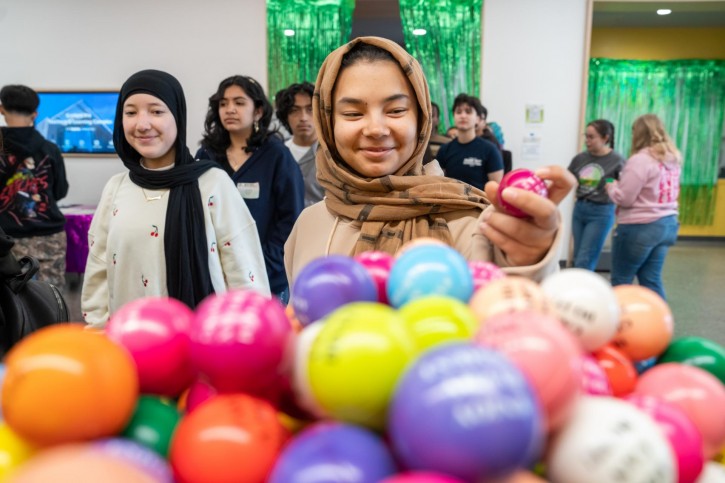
594	211
294	111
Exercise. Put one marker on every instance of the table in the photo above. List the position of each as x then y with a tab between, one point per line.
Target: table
77	222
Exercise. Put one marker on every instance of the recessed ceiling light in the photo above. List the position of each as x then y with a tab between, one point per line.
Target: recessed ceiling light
289	33
419	31
664	11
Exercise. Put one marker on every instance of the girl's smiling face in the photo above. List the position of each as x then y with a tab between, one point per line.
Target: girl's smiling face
150	129
375	118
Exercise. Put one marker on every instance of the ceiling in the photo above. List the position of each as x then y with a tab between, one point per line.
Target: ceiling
643	14
378	17
382	17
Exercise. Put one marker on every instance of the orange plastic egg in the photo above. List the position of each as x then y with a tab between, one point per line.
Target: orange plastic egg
646	324
229	438
65	384
620	371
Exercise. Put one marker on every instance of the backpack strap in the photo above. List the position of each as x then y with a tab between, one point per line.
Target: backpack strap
9	266
29	266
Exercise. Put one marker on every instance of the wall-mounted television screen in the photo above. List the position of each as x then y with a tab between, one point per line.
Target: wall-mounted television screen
79	122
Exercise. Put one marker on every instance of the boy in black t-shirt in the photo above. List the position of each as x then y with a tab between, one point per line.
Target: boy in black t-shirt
470	158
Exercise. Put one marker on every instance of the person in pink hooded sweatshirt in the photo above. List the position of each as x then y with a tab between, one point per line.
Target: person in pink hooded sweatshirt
646	197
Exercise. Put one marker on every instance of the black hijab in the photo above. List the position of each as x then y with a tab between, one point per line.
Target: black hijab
185	244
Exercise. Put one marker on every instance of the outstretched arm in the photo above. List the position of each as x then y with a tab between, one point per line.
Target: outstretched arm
525	241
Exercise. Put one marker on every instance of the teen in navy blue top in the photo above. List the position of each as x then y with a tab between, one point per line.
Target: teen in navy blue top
470	162
269	179
469	158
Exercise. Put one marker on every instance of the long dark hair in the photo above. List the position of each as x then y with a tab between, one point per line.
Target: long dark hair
216	137
605	129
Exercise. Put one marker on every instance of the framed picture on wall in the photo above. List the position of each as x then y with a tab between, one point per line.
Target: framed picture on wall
79	122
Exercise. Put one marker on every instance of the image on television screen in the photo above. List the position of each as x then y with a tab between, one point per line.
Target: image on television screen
79	122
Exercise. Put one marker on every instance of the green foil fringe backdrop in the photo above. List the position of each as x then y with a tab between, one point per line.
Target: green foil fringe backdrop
689	97
320	26
450	52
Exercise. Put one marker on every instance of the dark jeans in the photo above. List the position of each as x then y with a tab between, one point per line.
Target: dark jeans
590	226
640	250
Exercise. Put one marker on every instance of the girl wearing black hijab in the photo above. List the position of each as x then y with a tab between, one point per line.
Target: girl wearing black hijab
170	226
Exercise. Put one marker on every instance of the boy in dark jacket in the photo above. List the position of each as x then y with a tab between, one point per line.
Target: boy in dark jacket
32	181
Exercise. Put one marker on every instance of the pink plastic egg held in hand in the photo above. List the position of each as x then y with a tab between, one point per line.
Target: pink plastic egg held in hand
524	179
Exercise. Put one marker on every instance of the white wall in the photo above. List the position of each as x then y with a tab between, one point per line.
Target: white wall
534	52
97	44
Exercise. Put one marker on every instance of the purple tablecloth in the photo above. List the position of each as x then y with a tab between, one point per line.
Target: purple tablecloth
77	222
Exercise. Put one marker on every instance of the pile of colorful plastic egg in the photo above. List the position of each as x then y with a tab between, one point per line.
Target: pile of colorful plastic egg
417	369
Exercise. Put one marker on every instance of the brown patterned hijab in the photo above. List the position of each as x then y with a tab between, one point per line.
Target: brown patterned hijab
399	207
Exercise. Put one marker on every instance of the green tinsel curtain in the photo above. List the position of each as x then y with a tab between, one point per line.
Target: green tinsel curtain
319	27
450	52
689	97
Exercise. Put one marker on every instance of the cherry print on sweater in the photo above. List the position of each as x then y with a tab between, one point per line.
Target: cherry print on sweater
144	280
210	201
213	247
155	233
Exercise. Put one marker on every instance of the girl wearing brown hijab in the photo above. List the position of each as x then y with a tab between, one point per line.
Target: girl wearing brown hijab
372	113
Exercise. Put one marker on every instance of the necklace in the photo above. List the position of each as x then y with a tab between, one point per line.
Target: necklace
153	198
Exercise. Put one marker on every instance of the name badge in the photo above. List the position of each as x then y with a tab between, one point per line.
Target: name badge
249	191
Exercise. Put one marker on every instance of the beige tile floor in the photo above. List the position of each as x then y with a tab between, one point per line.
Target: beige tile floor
694	276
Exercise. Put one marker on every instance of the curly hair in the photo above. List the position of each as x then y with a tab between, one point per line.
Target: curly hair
471	101
285	101
216	137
